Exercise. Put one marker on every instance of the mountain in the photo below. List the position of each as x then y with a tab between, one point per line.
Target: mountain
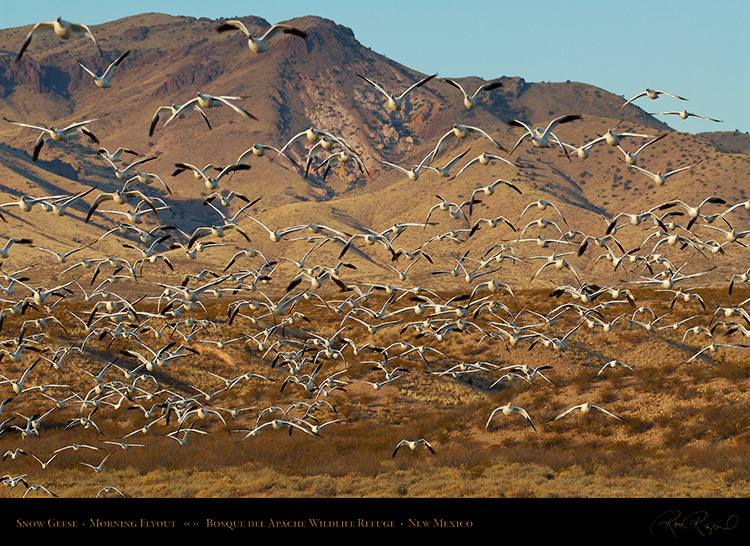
314	82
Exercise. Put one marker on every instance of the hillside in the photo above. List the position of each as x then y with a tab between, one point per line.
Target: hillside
308	266
313	83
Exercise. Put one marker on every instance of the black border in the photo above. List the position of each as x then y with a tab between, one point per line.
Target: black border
658	520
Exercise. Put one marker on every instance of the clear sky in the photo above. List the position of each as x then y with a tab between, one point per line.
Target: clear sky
693	48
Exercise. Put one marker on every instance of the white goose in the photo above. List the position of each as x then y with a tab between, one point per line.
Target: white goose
62	28
58	135
37	487
471	100
413	445
103	80
18	241
175	110
98	468
510	409
540	137
259	150
614	364
259	45
116	156
585	409
484	159
120	198
413	173
462	131
660	178
445	170
110	489
632	157
17	384
26	203
123	173
396	102
684	114
204	100
211	183
652	94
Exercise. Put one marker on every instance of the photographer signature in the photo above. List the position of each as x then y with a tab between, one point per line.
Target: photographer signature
675	522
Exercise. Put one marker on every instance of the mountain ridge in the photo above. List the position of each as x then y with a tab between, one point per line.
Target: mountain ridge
299	84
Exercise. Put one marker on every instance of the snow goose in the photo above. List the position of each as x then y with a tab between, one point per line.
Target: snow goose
57	135
4	251
110	489
211	183
484	159
510	409
98	468
25	203
259	150
586	409
693	212
204	100
116	156
541	204
120	198
652	94
462	131
103	80
614	364
280	424
312	135
713	348
344	156
445	170
684	114
471	100
62	28
413	445
44	464
413	173
175	110
632	157
260	44
396	102
660	178
540	137
17	384
123	173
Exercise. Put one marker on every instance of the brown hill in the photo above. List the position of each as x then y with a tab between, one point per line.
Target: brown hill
298	84
730	142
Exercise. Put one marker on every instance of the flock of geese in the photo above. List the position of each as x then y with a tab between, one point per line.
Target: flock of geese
118	355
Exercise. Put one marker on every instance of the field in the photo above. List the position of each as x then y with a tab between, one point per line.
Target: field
685	432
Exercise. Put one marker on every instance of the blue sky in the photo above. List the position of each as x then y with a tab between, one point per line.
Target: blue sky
691	48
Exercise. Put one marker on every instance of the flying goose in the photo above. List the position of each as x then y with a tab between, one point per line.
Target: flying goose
413	445
259	45
103	80
62	28
684	114
396	102
175	111
471	100
58	135
204	100
510	409
652	94
540	137
585	409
